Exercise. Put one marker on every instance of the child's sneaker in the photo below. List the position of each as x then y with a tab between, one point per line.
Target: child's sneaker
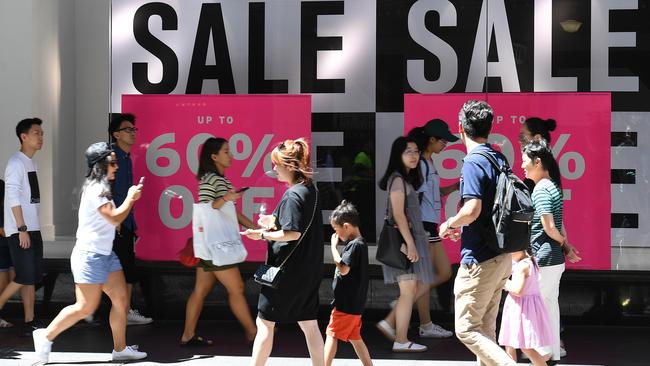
432	330
408	347
386	330
42	346
128	354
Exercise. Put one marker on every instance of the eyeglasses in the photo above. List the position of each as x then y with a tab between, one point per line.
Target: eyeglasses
412	152
128	129
112	163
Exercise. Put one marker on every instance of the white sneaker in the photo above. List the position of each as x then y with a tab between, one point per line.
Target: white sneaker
434	331
128	354
386	330
135	318
42	347
408	347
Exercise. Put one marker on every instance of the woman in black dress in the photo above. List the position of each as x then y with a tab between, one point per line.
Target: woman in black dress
298	214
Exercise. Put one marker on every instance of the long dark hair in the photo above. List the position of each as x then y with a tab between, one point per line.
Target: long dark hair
99	174
421	139
395	164
206	165
539	149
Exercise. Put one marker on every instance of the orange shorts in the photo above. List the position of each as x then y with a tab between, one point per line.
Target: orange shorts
344	326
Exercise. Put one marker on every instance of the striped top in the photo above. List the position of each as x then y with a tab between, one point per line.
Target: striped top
213	186
547	199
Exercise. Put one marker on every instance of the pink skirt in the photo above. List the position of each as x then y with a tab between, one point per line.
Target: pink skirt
525	323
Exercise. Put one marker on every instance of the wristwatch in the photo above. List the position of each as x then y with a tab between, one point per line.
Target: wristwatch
22	228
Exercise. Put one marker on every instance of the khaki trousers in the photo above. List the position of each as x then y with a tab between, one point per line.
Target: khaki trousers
478	289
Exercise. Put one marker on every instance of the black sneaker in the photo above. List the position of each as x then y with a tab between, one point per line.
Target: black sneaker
28	328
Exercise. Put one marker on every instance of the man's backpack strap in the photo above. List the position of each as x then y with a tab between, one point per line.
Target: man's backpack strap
492	160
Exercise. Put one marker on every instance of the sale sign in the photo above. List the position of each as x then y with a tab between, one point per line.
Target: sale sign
171	131
580	144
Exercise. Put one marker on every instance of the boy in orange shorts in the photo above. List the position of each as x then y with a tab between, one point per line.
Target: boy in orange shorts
350	284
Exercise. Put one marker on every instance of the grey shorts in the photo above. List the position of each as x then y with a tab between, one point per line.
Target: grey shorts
92	268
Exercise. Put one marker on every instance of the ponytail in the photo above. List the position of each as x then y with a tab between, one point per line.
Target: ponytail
294	155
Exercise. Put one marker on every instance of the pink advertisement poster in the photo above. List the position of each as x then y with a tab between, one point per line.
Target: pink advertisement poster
581	145
171	131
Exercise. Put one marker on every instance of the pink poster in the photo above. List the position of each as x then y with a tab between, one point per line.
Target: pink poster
171	131
581	144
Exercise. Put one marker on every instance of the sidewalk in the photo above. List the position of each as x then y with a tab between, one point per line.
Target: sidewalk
91	344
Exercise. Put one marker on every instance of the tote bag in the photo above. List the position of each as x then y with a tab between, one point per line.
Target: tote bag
216	234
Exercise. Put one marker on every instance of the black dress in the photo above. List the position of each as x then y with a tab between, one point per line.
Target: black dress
296	298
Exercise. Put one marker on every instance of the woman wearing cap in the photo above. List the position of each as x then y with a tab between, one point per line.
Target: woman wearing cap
432	138
95	267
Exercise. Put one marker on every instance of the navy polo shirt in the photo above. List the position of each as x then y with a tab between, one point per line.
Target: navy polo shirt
123	181
478	180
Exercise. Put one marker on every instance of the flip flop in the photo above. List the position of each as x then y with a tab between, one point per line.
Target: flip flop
197	341
5	324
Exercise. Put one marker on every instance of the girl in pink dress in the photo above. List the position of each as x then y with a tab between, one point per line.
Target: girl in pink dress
525	324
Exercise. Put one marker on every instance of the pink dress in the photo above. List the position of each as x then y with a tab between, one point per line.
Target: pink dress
525	322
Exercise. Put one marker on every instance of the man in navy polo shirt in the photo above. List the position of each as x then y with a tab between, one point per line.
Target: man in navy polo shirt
483	272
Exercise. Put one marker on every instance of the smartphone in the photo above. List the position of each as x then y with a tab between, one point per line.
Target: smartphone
141	180
403	249
243	189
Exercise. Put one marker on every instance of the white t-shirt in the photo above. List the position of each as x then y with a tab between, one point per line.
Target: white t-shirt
21	189
430	189
94	234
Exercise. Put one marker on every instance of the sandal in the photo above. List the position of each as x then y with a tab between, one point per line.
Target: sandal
197	341
5	324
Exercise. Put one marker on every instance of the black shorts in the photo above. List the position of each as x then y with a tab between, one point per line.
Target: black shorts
432	231
28	263
5	257
123	246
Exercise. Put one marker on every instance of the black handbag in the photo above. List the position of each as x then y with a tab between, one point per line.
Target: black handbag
390	241
268	275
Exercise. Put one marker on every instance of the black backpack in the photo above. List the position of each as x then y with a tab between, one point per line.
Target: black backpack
507	229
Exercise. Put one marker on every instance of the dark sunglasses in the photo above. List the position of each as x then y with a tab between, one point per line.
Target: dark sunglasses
112	163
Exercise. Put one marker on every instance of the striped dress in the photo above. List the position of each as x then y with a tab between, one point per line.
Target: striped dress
547	199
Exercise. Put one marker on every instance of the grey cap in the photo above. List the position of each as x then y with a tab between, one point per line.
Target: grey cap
96	153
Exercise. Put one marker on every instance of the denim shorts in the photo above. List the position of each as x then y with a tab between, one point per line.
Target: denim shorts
92	268
5	256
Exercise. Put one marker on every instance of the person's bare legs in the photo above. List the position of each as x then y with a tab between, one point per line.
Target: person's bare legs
331	345
263	344
232	281
403	309
28	297
314	341
442	270
362	351
535	357
203	285
115	288
87	301
8	292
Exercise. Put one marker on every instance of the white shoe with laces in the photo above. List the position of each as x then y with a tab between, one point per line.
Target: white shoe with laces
135	318
42	346
433	330
128	354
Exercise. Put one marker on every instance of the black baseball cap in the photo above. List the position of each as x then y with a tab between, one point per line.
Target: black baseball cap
96	153
439	129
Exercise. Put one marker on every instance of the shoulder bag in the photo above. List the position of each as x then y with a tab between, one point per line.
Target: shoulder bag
267	275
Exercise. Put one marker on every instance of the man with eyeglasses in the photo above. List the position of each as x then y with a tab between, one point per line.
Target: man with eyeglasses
122	132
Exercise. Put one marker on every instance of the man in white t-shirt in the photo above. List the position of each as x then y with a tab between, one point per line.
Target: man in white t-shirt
22	227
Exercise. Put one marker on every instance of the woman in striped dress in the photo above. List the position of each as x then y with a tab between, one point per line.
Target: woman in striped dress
547	236
214	187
